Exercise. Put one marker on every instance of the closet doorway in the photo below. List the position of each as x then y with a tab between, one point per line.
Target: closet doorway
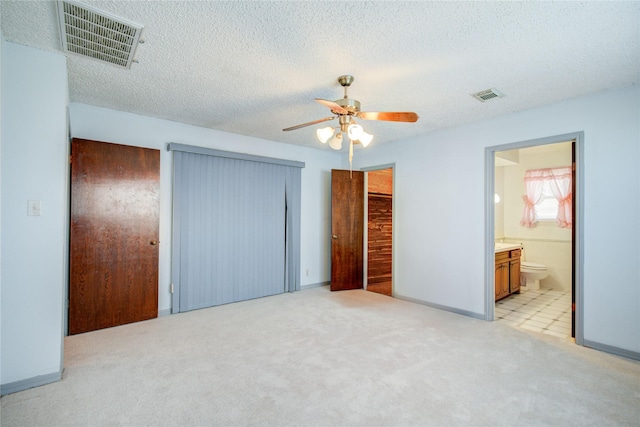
236	227
379	264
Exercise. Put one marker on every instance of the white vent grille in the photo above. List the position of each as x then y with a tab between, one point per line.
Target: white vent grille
89	32
488	94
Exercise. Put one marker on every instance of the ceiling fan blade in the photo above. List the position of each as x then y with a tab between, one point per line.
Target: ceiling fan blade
332	106
310	123
388	116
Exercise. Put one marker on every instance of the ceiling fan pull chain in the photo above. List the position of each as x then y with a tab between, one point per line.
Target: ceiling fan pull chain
350	158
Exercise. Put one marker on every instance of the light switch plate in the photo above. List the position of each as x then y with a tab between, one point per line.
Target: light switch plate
33	207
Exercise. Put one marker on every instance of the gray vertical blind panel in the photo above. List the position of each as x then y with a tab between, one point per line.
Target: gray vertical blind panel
292	256
175	231
236	230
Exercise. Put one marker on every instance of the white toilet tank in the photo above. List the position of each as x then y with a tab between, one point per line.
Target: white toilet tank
528	264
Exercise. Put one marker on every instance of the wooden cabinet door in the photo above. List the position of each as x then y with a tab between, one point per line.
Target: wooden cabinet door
505	279
502	280
514	275
502	274
498	277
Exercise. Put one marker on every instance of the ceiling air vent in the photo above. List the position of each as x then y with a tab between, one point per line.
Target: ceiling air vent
90	32
488	94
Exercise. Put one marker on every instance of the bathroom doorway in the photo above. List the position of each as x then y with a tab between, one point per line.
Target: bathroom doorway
379	231
544	300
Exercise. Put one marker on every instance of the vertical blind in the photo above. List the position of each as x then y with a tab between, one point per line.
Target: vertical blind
236	227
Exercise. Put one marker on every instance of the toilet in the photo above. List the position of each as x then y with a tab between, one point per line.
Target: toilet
531	273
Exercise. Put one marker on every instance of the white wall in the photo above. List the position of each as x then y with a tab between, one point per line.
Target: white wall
440	202
34	167
106	125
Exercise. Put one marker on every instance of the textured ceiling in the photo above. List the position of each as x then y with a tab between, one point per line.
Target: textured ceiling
254	68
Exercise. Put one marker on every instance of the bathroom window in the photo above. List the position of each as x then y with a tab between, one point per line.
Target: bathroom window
547	208
548	196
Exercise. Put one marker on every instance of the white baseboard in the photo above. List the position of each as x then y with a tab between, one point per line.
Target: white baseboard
22	385
634	355
314	285
442	307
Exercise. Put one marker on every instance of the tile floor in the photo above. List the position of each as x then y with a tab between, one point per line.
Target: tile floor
545	310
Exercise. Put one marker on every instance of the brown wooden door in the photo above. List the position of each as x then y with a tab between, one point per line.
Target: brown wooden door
347	229
113	276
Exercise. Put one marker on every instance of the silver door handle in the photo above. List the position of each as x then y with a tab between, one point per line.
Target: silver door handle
334	236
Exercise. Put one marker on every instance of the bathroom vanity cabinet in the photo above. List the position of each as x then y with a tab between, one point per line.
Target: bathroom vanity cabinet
507	273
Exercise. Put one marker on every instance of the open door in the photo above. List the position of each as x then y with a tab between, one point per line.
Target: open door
347	229
115	205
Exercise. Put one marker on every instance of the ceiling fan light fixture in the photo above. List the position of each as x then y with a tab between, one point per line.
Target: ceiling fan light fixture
324	134
346	110
365	138
336	141
355	131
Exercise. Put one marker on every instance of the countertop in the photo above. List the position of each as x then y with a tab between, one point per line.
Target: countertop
502	247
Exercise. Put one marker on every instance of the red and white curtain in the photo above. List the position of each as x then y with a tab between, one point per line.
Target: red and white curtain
559	182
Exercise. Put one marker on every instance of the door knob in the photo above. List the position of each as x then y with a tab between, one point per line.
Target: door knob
153	242
334	236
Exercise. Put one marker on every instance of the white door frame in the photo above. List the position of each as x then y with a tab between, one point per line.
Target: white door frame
578	225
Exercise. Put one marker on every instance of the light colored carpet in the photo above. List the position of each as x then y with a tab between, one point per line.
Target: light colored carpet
316	358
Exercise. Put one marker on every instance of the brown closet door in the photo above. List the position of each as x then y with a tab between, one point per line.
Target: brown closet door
115	208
